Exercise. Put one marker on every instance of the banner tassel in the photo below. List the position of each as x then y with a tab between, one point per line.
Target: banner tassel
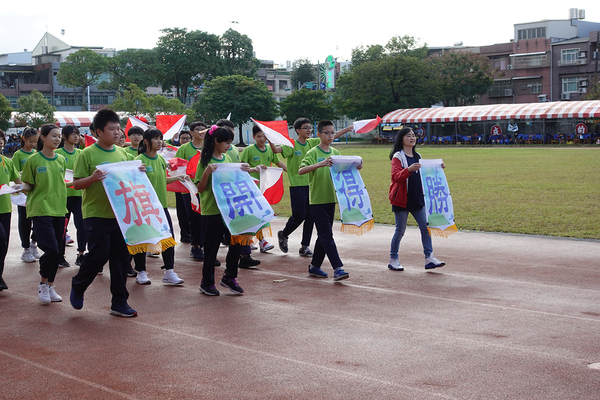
443	233
244	240
358	230
159	247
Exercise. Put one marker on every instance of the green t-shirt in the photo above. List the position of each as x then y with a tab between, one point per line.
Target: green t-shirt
133	152
8	173
20	158
156	170
234	154
294	156
49	195
319	180
254	156
208	204
187	151
95	202
70	159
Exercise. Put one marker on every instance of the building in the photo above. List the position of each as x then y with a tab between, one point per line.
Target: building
278	80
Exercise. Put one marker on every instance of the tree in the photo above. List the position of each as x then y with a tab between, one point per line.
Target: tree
241	96
81	69
35	110
312	104
593	92
188	58
139	66
378	87
135	101
238	54
5	113
462	77
303	71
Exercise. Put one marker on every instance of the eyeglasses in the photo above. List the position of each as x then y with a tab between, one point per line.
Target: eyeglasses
307	129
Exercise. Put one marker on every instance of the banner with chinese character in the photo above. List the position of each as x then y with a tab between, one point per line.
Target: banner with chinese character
244	209
438	202
137	208
353	199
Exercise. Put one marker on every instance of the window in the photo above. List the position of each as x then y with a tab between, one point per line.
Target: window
569	56
532	33
68	100
99	99
283	85
533	61
536	87
499	89
571	84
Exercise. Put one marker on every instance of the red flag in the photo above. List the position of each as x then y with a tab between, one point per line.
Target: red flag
169	125
271	184
192	166
276	132
136	121
366	125
89	140
179	165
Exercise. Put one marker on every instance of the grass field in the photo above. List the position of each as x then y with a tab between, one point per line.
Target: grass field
542	191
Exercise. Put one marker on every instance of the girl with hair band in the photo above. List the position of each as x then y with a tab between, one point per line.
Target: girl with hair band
44	178
406	196
156	170
216	143
70	136
29	139
8	173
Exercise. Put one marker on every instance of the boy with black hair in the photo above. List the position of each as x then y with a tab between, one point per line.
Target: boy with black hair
105	241
299	192
316	164
135	134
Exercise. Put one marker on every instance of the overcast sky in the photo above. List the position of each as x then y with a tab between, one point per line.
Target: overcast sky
280	31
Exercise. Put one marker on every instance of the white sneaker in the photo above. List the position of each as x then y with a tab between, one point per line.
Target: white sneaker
253	247
44	293
265	246
27	256
53	295
142	278
33	249
171	278
394	265
432	262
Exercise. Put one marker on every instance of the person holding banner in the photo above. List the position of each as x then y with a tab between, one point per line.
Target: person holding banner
217	142
299	194
44	178
105	240
406	196
316	164
8	173
156	170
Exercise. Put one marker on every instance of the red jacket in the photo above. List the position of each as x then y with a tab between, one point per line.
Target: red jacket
399	185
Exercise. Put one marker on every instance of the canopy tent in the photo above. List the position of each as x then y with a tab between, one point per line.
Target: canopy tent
77	118
496	112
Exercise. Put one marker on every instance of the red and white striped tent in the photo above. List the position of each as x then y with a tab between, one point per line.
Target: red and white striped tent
77	118
496	112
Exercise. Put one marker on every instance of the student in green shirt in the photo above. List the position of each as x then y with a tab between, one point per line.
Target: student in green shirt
299	195
44	178
70	135
8	173
105	240
29	139
156	170
135	134
316	164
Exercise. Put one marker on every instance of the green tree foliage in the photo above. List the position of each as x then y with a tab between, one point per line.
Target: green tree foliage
142	67
238	54
461	77
241	96
5	113
188	59
135	101
593	92
81	69
312	104
303	71
34	110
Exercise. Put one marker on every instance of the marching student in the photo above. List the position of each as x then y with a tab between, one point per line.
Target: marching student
156	170
29	139
44	178
183	217
316	164
217	142
105	241
70	135
8	173
260	156
406	196
299	194
136	135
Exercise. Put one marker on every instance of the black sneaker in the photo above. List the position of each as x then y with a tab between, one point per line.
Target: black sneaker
123	310
79	260
197	253
231	284
305	251
132	273
3	285
246	261
217	263
209	290
64	264
283	242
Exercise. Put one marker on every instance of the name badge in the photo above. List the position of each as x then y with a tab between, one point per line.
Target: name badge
41	169
255	158
149	168
297	153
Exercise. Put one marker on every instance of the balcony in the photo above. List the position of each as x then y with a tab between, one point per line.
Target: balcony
570	63
24	89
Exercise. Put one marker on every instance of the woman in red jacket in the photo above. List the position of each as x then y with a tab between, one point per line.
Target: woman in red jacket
406	196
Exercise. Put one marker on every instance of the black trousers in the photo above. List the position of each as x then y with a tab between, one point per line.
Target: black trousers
183	216
299	199
168	255
50	232
4	238
25	230
325	245
214	229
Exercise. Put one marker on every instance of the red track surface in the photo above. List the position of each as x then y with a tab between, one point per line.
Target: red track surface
508	317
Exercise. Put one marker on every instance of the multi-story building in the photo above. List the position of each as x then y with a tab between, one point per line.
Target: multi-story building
278	80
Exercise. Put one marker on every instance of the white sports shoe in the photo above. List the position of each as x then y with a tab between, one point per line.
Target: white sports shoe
171	278
432	262
265	246
27	256
33	249
53	295
44	293
394	265
142	278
